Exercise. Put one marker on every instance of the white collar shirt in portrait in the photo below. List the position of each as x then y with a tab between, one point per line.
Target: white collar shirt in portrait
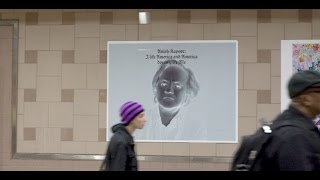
179	129
158	131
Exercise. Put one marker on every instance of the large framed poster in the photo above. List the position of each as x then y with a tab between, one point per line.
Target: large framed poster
188	89
297	55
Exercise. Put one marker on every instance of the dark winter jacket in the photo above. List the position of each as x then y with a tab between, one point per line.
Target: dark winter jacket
120	155
295	147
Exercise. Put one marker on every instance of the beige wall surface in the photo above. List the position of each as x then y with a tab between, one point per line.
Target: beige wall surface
62	77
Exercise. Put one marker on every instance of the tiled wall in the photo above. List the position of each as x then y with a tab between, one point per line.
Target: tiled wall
62	76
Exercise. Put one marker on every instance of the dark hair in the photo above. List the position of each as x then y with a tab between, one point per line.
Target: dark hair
192	83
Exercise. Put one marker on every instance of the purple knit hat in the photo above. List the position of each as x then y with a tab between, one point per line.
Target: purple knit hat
129	110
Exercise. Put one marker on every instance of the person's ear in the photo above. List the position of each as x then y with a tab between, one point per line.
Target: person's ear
155	93
306	100
186	100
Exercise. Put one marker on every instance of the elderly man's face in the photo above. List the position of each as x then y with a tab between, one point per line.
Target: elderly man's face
172	87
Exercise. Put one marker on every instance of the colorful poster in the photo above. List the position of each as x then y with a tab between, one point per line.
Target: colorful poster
305	57
188	89
297	55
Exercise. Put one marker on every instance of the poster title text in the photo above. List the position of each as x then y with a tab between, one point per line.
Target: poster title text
177	54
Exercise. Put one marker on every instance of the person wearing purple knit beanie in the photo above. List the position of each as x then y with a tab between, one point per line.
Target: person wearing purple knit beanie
120	155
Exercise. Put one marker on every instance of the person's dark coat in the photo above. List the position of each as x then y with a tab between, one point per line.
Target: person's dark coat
295	147
120	155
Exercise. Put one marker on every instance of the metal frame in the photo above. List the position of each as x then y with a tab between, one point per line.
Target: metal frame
14	76
51	156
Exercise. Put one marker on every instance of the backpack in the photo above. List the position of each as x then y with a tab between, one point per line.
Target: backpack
249	155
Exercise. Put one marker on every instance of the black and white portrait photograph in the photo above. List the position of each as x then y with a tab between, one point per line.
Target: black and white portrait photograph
188	88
